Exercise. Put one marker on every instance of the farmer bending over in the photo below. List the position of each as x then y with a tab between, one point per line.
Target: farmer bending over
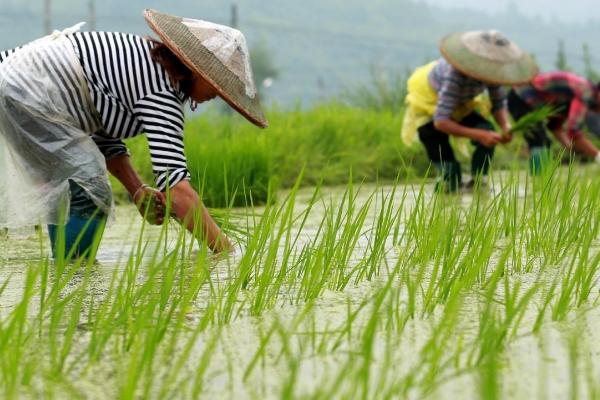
444	99
571	96
68	99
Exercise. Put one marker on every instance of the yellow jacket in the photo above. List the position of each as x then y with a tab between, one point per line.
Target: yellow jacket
421	102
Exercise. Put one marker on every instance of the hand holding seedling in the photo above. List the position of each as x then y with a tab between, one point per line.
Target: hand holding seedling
151	204
488	138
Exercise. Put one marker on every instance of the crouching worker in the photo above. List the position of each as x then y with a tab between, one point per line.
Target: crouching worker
445	99
67	100
571	97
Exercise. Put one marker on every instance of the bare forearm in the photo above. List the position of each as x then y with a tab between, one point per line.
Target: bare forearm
453	128
188	209
122	169
584	146
501	117
485	137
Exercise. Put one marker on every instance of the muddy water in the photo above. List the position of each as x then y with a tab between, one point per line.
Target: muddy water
533	366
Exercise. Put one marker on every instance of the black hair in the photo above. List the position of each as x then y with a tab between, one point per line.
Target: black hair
176	69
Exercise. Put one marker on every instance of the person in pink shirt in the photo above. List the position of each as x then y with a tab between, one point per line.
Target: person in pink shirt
572	96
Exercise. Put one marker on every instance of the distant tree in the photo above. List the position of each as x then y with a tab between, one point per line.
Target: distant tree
561	58
590	72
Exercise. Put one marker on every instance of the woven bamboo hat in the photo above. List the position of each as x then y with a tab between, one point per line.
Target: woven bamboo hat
218	54
488	56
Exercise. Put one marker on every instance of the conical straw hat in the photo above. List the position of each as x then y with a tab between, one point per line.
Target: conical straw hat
218	53
489	57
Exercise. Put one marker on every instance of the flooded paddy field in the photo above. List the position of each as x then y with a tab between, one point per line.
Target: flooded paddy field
352	292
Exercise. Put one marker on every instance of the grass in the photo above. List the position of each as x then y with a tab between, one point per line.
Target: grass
233	161
235	164
534	118
371	291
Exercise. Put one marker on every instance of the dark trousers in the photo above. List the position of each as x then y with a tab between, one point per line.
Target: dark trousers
536	137
441	154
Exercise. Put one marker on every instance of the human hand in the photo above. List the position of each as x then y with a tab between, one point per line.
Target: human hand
231	252
150	203
487	138
506	138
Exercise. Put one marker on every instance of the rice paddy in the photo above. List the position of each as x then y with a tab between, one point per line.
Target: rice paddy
357	291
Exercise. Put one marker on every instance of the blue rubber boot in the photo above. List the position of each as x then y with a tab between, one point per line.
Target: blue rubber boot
78	237
538	159
84	227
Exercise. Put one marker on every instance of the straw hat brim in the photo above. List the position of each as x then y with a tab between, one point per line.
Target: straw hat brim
175	35
510	72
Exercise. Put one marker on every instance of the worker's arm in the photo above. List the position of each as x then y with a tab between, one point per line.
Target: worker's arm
448	101
191	212
150	202
501	117
485	137
583	145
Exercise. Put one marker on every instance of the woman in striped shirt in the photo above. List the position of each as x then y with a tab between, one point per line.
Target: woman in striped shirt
445	99
68	98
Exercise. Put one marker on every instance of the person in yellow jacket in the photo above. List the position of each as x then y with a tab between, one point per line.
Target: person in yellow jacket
453	96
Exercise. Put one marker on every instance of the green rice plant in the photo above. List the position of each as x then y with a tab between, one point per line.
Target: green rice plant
327	261
386	220
533	119
436	356
232	160
454	281
231	168
14	338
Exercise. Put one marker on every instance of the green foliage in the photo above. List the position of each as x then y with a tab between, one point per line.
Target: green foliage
529	121
234	163
229	166
561	63
384	92
332	139
391	292
589	71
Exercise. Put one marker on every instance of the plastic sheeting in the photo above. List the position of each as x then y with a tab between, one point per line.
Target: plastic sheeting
45	117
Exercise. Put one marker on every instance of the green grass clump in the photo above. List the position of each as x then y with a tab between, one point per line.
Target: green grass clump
532	119
374	292
231	161
234	163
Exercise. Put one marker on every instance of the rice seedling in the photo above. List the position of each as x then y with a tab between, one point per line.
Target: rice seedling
371	291
534	118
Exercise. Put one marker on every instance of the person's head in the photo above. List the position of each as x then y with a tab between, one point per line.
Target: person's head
217	55
489	57
192	85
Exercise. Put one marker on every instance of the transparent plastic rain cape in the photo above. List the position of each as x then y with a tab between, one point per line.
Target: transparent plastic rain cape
46	116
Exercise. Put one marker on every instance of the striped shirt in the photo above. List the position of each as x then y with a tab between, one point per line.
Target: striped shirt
455	89
132	94
53	63
571	93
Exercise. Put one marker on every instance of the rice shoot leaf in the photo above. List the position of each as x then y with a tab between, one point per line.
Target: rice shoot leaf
527	123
